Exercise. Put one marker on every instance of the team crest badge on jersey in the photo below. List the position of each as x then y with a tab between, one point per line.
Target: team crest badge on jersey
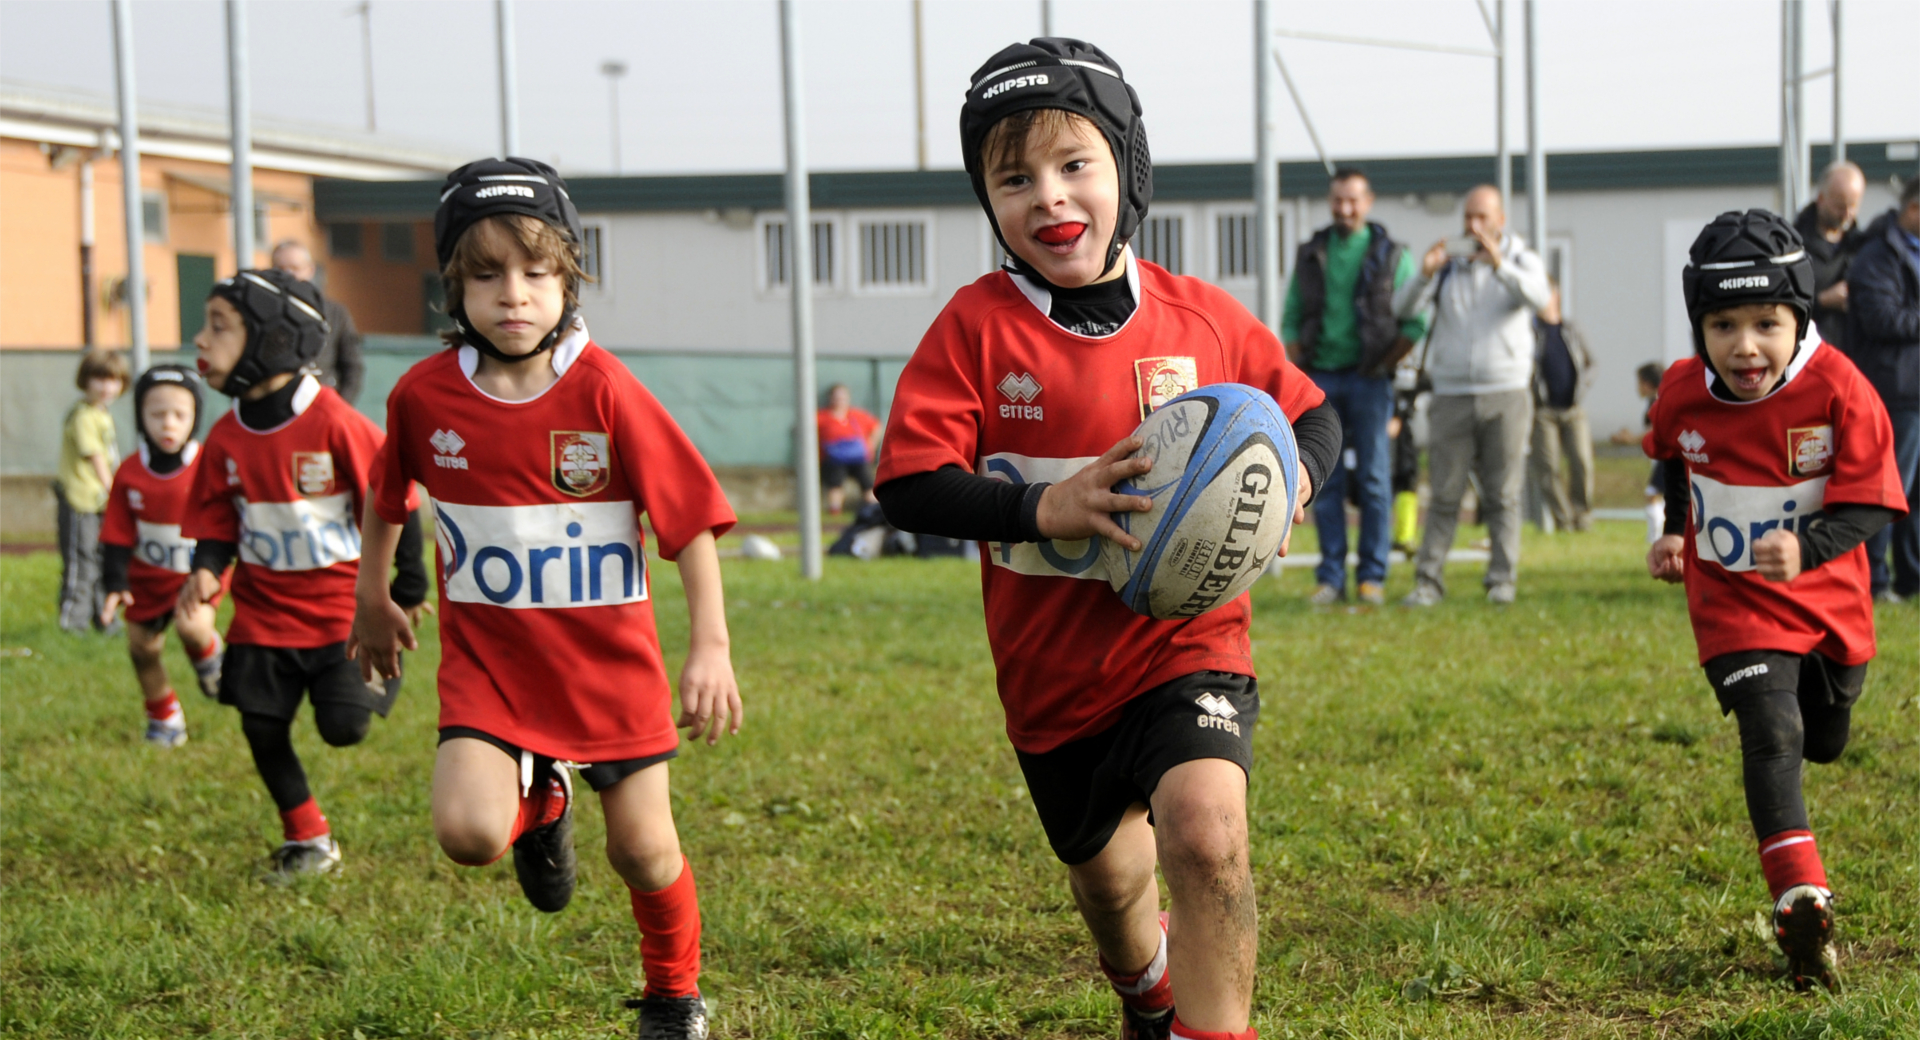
582	462
1161	379
1809	450
136	501
313	472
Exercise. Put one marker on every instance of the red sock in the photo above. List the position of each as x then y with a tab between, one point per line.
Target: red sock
303	822
669	923
163	707
1791	858
1182	1031
538	808
1151	988
204	652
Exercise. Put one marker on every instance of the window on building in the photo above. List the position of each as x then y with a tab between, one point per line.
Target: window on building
343	240
1162	240
153	215
593	238
396	243
778	262
262	239
1233	233
893	254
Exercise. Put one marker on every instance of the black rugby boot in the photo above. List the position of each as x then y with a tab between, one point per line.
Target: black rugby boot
543	857
672	1018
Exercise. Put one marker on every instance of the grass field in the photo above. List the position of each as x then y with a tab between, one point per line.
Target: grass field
1467	822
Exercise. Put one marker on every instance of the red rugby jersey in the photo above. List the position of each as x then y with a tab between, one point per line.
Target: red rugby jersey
290	497
546	619
144	511
998	388
1822	438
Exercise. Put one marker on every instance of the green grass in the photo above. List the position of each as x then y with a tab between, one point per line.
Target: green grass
1467	822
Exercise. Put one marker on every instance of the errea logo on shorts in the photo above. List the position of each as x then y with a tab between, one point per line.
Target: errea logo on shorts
1219	713
504	189
1020	390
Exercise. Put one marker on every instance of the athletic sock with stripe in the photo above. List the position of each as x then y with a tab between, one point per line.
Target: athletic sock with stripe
303	822
1182	1031
1148	991
1791	858
164	707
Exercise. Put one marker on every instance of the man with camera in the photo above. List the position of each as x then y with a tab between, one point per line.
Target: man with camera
1483	288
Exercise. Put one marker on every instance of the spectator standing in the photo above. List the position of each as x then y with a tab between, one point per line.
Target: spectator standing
89	453
1829	228
849	437
1883	338
1563	371
1339	325
339	364
1480	359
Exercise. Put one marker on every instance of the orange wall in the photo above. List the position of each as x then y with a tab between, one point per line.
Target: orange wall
40	294
384	295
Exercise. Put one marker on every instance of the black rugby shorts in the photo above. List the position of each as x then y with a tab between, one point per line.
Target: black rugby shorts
269	680
1817	680
1082	789
599	775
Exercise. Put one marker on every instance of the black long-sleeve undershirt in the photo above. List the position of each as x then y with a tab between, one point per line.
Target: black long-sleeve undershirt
956	504
1823	536
409	585
113	566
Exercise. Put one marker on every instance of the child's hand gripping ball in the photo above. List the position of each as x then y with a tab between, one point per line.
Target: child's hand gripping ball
1224	486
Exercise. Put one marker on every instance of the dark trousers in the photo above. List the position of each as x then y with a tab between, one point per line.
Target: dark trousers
81	594
1364	405
1903	535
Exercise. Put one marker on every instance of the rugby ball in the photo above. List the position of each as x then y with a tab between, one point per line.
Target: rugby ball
1223	483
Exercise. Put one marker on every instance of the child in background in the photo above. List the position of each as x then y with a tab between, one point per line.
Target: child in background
541	450
89	452
1406	462
848	437
143	556
1779	466
1647	382
280	480
1010	426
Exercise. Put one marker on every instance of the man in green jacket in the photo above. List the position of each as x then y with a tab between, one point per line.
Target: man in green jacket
1339	326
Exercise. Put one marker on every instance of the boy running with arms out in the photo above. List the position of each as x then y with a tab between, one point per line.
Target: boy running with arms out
1778	465
143	558
1003	430
276	487
540	451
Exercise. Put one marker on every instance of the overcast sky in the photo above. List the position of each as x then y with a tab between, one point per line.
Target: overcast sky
703	91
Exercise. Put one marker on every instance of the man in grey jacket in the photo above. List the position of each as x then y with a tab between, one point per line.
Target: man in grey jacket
1479	357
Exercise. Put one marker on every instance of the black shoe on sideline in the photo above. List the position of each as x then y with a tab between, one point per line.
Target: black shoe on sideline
543	857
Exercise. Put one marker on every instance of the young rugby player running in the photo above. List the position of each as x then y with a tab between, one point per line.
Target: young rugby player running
540	451
143	558
1778	465
277	485
1004	430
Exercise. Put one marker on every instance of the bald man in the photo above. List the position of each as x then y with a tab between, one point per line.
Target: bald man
1484	288
1829	225
339	362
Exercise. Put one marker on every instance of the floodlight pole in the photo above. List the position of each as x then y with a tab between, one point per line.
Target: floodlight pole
919	84
239	108
509	87
1046	17
1266	170
806	448
613	70
1790	173
136	283
1536	149
1802	143
1503	157
87	334
1839	135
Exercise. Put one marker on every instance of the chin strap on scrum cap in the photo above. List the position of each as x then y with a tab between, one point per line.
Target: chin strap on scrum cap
499	187
1073	76
285	326
1742	258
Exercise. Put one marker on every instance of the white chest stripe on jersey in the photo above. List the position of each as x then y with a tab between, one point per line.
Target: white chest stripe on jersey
1050	559
161	546
550	556
303	535
1729	518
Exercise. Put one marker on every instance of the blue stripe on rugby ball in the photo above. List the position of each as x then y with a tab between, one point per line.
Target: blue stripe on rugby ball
1233	419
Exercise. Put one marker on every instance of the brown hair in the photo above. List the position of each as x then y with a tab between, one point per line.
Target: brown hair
1007	141
102	364
478	250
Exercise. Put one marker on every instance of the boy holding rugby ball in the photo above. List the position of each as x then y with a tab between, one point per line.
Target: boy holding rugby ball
1010	426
